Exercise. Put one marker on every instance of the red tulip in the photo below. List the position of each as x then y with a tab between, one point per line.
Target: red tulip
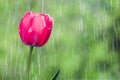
35	28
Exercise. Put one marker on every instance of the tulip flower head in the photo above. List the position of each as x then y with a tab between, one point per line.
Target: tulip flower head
35	28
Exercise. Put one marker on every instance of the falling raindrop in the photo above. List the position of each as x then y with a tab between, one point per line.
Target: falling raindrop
80	25
32	67
25	65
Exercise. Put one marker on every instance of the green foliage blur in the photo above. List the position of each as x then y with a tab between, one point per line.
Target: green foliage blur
84	44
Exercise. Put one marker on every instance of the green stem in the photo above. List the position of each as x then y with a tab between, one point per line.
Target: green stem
29	60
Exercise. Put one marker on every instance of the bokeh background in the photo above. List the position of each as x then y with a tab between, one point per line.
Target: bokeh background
84	44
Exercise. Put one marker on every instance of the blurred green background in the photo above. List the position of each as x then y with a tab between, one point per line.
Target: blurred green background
84	44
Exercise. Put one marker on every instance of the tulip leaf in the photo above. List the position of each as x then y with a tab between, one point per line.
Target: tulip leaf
56	75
